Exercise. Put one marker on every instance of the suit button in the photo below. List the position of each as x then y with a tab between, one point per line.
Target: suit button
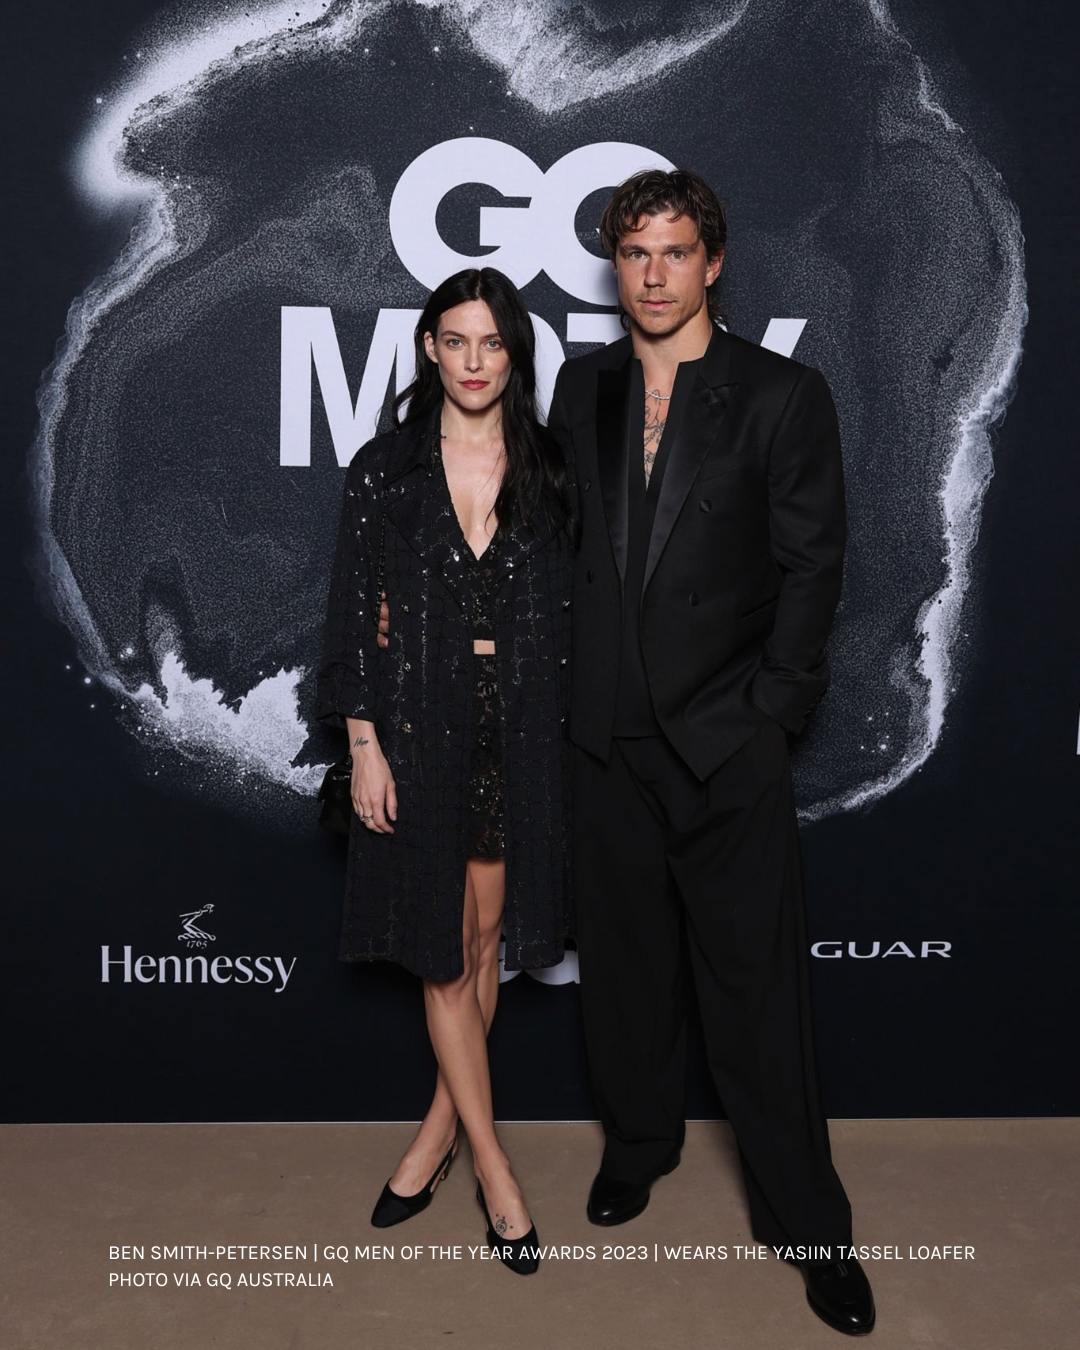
588	575
693	597
705	505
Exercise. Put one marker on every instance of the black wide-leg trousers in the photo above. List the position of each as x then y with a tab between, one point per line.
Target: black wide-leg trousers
681	880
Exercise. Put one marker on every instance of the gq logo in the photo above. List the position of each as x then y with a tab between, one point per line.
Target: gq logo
525	241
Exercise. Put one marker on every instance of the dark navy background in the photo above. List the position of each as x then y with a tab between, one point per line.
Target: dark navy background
979	849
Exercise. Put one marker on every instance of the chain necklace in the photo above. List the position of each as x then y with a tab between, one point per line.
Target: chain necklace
655	393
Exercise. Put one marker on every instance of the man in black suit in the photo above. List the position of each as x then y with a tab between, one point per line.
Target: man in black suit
711	496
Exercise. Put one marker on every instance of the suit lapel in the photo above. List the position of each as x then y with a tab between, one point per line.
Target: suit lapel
612	454
418	501
697	431
522	541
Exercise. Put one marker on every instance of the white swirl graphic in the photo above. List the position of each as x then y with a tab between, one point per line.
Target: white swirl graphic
258	153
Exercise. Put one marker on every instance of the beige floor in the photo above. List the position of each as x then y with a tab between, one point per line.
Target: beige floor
1006	1188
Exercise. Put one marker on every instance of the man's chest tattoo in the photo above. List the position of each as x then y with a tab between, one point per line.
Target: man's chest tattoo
654	429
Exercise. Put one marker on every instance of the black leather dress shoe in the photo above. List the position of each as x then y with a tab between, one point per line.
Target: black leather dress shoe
840	1294
611	1202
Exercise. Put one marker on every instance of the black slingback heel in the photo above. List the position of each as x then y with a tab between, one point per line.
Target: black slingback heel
391	1208
522	1254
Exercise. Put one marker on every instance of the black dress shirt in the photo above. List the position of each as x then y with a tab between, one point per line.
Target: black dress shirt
634	715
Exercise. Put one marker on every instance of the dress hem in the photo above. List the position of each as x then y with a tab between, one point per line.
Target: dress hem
540	962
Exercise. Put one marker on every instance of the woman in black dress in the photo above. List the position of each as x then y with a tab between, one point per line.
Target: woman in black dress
457	730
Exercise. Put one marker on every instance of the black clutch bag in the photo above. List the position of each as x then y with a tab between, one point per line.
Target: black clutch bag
336	808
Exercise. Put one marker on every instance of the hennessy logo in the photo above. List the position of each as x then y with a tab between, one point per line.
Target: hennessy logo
146	969
192	936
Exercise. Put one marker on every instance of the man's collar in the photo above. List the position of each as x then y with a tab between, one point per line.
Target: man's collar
715	368
713	364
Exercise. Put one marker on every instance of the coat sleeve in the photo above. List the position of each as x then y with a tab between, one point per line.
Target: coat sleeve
345	684
807	532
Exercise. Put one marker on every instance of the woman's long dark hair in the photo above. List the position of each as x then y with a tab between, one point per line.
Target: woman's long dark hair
534	480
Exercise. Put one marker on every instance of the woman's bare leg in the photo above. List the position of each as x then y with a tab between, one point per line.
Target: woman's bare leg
484	894
459	1037
502	1193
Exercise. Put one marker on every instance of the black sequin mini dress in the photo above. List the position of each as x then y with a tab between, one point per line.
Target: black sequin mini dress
485	772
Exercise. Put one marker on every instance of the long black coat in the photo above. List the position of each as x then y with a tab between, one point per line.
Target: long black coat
746	555
405	891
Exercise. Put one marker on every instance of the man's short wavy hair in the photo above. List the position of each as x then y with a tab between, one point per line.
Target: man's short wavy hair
680	192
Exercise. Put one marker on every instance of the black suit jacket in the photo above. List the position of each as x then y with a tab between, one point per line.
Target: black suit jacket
746	555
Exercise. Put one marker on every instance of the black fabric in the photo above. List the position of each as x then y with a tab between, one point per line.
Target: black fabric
485	768
745	559
686	883
482	574
634	714
485	772
685	843
404	890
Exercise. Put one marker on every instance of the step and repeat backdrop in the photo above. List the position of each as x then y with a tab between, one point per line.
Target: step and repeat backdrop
231	218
